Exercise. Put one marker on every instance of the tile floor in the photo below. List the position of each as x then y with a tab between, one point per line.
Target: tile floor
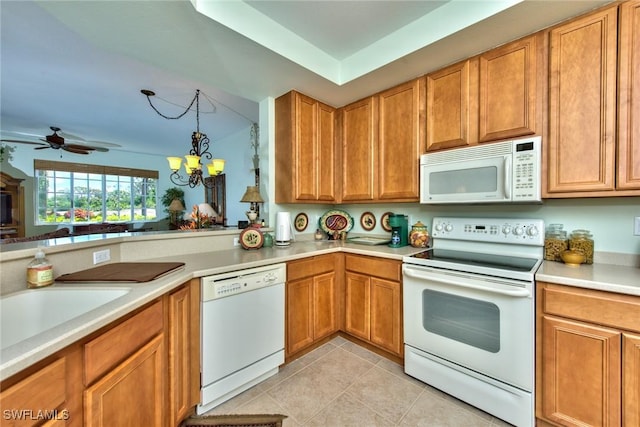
341	384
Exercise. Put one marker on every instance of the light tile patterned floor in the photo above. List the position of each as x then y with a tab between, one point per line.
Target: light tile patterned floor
342	384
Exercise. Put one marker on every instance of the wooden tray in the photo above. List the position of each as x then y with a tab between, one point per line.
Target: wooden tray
122	272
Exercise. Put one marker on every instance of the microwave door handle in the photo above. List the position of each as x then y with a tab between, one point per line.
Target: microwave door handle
516	292
507	177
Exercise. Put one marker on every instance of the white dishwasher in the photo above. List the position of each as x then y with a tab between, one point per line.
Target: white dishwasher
242	331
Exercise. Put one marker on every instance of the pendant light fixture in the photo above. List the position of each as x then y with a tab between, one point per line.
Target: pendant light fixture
198	154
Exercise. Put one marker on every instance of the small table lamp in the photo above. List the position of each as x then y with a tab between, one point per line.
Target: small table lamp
252	195
175	208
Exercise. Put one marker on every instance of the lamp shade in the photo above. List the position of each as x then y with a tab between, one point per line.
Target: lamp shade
174	163
176	205
215	167
252	195
205	208
193	161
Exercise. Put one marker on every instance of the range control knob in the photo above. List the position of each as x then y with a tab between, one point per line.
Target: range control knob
518	231
532	231
448	227
506	229
438	227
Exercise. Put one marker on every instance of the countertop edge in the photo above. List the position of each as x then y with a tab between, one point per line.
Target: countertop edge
18	357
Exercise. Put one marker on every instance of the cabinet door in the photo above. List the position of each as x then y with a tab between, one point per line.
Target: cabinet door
386	317
299	310
629	97
401	112
359	150
357	305
580	373
582	104
452	106
132	393
183	360
305	148
324	307
630	380
508	78
326	148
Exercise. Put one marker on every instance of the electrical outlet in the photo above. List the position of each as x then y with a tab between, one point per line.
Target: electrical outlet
101	256
236	241
636	226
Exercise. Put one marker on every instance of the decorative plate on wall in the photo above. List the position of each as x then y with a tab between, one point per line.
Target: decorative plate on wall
251	238
336	220
301	222
368	221
384	221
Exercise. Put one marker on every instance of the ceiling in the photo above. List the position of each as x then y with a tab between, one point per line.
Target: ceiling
80	65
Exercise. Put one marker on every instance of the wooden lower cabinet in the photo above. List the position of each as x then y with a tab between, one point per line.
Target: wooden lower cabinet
311	306
373	303
143	370
133	393
588	361
184	350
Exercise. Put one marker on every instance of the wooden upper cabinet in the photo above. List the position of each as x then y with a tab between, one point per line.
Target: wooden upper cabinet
452	106
400	136
582	104
359	150
510	104
381	145
493	96
629	97
305	149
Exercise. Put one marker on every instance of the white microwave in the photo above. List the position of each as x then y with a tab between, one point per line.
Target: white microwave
501	172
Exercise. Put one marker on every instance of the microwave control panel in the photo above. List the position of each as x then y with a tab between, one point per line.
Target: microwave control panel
526	169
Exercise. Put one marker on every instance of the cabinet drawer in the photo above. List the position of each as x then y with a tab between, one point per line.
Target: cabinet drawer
379	267
44	390
115	345
310	266
603	308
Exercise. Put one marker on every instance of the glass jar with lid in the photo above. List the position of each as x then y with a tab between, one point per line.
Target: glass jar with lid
582	241
555	241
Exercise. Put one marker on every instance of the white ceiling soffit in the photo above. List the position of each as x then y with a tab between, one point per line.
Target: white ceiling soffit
409	33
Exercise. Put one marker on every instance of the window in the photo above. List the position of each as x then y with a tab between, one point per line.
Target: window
71	193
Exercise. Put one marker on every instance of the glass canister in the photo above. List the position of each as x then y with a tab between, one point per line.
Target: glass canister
268	240
419	236
582	241
555	241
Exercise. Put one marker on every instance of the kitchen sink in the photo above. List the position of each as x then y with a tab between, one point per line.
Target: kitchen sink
28	313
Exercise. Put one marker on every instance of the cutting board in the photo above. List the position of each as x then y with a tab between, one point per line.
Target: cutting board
122	272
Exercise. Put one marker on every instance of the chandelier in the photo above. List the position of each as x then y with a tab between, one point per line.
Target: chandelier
199	151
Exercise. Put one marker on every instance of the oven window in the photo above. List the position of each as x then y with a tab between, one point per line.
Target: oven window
469	321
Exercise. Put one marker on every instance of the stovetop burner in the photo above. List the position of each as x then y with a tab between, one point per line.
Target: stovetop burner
509	248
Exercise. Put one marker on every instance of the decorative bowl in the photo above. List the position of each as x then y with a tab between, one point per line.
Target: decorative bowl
572	258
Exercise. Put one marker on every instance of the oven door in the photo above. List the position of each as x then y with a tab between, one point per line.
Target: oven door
480	322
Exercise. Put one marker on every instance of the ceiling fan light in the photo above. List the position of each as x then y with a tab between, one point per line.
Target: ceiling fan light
174	163
193	161
216	167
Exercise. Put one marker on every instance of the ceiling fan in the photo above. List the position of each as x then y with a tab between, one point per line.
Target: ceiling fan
58	140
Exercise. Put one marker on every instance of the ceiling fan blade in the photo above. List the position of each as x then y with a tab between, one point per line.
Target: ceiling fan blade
17	141
69	136
79	147
73	149
100	149
42	148
103	144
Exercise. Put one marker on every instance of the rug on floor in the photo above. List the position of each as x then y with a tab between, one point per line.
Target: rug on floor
240	420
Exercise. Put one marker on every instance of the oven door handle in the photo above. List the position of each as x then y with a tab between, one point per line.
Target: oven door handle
434	277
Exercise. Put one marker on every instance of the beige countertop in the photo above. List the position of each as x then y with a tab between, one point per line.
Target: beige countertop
13	359
603	277
17	357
